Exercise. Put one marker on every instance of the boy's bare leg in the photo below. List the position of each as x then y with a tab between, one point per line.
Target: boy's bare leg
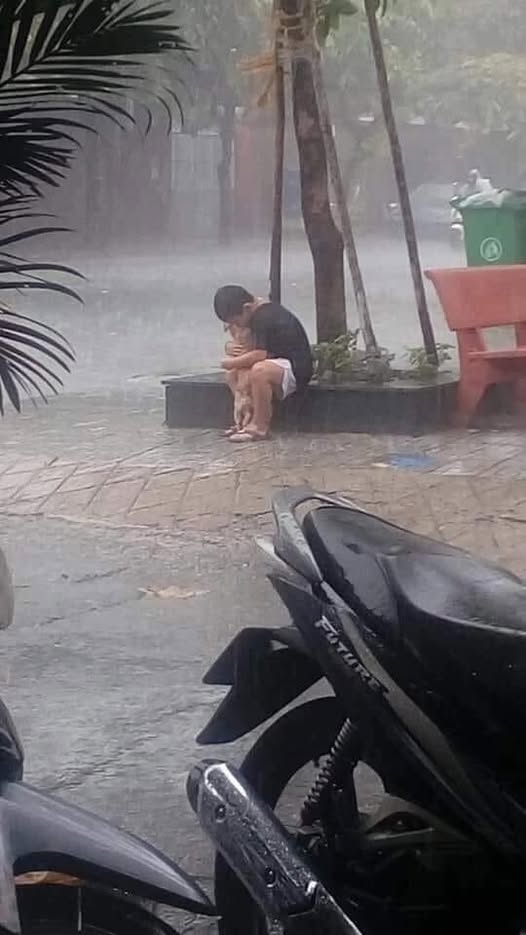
266	381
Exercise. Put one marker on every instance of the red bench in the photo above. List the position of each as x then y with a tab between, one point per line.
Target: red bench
475	298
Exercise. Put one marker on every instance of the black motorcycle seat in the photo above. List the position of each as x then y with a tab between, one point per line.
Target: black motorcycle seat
387	574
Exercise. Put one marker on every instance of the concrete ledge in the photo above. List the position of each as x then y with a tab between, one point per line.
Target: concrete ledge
404	406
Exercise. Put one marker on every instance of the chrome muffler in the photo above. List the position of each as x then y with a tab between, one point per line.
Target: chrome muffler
261	853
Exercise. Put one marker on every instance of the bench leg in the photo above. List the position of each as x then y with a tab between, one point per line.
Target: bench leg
470	393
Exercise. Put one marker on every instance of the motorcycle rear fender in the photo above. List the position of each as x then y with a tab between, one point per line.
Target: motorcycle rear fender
266	669
39	832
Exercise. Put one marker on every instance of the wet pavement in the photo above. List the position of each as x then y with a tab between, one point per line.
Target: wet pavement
109	461
102	668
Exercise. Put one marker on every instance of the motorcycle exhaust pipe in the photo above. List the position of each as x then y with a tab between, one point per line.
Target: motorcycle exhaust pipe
261	853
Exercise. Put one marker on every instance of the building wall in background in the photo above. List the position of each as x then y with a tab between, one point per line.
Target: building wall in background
161	190
132	190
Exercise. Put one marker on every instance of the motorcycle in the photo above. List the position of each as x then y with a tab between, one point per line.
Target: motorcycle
62	869
412	652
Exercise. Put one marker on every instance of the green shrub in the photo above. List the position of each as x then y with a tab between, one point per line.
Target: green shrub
421	366
341	361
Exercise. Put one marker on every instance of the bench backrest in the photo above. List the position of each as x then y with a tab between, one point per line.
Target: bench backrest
481	296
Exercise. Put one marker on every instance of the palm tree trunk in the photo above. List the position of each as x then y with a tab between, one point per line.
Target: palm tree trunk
371	7
364	317
325	240
279	157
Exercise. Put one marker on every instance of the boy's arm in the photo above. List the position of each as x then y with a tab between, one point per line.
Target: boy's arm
244	361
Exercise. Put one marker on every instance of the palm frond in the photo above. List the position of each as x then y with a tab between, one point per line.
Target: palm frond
32	355
64	63
26	347
16	273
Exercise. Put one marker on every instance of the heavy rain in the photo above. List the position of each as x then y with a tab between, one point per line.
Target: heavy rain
153	153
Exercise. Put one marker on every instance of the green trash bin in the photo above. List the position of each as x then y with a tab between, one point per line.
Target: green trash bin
494	228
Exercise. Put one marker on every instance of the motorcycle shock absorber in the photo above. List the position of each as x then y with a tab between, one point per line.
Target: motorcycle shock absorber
339	765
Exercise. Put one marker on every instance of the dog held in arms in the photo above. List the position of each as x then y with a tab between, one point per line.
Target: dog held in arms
240	342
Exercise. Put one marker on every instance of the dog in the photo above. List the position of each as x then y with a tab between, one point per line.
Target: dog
243	409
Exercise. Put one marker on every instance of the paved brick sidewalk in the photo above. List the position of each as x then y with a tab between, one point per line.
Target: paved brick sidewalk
467	488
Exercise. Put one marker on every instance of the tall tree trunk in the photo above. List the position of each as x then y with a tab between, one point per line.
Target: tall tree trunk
226	133
279	157
371	7
364	317
325	240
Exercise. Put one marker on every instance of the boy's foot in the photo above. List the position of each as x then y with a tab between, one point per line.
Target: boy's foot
227	433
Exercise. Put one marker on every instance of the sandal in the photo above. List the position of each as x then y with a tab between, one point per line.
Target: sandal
239	438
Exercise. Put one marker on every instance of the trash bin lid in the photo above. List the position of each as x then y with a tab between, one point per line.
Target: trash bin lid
506	199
